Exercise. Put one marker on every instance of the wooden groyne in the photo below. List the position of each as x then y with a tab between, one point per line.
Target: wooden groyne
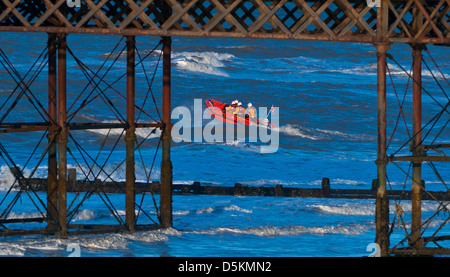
238	189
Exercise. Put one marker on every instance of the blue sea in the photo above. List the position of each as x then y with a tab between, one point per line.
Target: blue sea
326	94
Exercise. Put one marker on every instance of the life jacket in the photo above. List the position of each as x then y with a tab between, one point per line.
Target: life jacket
240	111
229	109
251	112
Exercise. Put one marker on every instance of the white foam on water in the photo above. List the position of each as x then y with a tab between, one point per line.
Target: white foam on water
123	240
202	62
116	171
208	62
244	146
359	209
273	231
237	209
184	212
362	137
233	208
320	134
296	131
206	210
115	132
7	178
371	70
88	214
13	215
340	181
11	249
85	242
346	209
216	209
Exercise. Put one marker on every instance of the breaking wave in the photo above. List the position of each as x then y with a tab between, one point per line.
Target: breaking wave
209	210
371	70
202	62
86	243
140	132
273	231
321	134
358	209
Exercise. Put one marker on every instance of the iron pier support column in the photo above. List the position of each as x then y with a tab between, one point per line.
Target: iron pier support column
166	164
130	137
62	139
416	148
382	202
52	177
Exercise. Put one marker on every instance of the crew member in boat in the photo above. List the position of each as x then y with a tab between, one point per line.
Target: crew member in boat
239	111
230	108
251	113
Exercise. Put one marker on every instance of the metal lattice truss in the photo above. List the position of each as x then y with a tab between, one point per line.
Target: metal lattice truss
409	21
95	93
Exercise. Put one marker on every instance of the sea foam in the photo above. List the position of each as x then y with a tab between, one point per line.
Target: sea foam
202	62
273	231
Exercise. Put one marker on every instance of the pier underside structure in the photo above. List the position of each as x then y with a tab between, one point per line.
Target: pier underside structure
381	23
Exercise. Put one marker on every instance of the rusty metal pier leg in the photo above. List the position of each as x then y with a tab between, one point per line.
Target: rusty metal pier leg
62	139
382	202
166	164
52	178
130	137
416	147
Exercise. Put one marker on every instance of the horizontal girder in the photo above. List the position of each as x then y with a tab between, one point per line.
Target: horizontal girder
407	21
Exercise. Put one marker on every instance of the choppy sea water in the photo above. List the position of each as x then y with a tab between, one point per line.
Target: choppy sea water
326	94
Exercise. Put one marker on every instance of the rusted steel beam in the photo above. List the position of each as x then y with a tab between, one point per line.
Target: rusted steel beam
382	22
436	146
420	30
19	125
166	164
382	202
43	126
148	125
22	220
62	139
419	159
52	177
89	125
307	20
361	38
24	129
130	136
416	201
21	232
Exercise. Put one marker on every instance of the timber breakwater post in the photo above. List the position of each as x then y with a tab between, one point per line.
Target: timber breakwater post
381	23
326	190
